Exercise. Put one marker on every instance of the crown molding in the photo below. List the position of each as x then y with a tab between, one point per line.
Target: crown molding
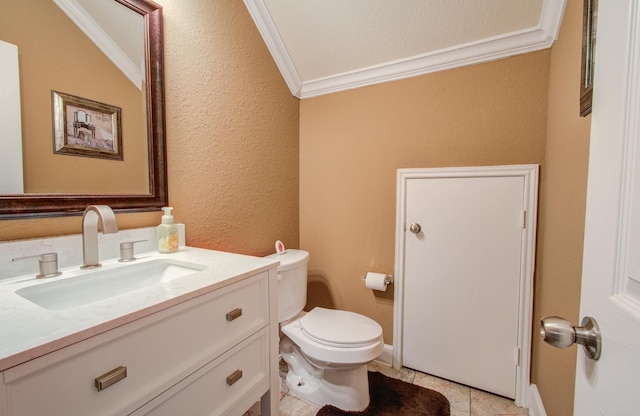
84	21
489	49
261	17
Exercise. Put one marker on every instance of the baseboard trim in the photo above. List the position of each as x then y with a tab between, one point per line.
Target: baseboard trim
536	408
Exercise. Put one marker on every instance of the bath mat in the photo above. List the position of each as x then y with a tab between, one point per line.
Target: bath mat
393	397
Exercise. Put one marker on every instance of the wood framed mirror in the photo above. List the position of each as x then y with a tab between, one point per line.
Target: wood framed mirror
589	20
151	143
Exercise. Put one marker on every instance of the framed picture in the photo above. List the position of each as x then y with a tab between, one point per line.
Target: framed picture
83	127
589	18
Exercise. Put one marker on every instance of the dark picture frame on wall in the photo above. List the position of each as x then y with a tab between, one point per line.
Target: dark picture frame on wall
589	18
83	127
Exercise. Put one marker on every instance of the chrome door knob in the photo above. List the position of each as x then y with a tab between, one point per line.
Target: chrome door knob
559	333
415	228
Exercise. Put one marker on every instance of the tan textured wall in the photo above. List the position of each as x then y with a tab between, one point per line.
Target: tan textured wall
352	143
233	149
232	132
564	180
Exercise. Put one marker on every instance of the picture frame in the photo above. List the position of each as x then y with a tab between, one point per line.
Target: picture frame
83	127
589	19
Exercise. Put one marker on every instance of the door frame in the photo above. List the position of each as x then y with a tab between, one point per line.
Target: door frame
530	203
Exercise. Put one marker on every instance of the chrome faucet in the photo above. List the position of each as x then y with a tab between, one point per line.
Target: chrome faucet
90	232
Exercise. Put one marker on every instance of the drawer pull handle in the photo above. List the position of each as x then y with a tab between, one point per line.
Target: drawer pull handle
234	377
111	377
236	313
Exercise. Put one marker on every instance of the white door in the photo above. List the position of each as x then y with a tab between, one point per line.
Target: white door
611	266
462	275
11	177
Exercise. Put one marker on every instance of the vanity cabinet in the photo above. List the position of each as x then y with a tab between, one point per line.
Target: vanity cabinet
213	354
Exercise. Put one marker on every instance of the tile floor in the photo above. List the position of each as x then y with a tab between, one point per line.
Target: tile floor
465	401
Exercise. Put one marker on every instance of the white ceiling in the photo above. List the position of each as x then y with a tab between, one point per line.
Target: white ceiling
324	46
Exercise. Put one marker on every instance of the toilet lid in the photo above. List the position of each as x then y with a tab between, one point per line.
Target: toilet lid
290	259
340	328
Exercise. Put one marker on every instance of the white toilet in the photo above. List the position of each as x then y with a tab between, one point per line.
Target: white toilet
326	350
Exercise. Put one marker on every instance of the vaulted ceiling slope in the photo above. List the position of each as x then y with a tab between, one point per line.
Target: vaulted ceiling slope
325	46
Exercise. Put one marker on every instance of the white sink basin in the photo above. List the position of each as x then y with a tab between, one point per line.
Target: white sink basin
106	283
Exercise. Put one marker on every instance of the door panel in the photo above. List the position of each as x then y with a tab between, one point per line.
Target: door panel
610	273
462	279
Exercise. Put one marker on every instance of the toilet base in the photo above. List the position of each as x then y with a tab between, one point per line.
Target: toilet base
346	389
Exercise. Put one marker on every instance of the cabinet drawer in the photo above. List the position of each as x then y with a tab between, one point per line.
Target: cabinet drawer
157	351
234	381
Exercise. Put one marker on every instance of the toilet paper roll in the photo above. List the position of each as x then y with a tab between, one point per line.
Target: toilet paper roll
376	281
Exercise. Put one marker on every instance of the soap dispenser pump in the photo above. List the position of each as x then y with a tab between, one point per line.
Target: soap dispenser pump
167	233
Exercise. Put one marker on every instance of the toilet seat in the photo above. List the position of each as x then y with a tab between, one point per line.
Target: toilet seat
338	328
322	348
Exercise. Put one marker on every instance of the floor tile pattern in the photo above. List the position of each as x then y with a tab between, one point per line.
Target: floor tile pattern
465	401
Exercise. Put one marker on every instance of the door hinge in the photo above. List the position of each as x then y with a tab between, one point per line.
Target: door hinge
518	356
523	219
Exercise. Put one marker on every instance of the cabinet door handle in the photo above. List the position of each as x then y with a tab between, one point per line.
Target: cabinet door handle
236	313
234	377
111	377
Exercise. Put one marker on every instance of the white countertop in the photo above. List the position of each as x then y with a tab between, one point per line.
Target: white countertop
28	331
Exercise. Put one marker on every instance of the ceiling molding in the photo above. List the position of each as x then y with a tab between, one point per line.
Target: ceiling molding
276	46
484	50
84	21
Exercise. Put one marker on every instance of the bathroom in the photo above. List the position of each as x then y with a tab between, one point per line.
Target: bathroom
248	163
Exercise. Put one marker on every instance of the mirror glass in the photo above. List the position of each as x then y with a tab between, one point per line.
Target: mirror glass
90	106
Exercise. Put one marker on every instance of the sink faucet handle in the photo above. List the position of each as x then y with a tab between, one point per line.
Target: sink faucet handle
48	264
126	250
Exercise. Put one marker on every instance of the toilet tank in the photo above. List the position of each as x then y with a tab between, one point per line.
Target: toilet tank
292	282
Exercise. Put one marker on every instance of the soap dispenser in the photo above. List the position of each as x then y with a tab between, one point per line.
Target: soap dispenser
167	233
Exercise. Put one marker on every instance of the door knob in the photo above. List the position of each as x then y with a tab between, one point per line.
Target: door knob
559	332
415	228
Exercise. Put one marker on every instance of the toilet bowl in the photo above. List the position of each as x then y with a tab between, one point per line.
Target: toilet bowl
326	350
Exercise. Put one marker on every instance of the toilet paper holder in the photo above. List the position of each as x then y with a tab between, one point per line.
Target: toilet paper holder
388	278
